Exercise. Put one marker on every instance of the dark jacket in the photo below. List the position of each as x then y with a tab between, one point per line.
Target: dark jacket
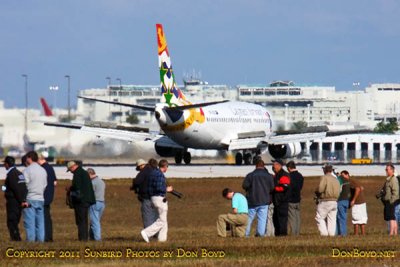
157	183
259	185
282	188
81	183
296	184
15	185
141	183
51	178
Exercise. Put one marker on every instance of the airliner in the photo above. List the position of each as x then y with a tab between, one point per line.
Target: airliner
241	127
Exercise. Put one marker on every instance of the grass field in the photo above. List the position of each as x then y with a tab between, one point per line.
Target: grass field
192	238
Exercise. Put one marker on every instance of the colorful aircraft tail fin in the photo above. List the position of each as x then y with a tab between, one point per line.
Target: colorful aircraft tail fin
46	108
171	95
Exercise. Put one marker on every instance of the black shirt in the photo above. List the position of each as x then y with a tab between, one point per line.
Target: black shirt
296	184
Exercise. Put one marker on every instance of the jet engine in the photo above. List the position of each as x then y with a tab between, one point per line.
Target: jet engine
166	151
285	150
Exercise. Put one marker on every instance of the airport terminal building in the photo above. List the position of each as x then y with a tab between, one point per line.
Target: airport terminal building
316	105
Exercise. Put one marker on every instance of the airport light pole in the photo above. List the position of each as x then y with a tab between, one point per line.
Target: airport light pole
109	95
120	91
26	104
69	94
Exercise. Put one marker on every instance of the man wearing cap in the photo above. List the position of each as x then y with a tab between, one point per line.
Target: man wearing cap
328	192
296	184
280	198
15	192
48	197
141	188
96	210
83	197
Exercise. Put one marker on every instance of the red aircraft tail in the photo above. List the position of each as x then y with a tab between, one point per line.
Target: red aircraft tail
46	109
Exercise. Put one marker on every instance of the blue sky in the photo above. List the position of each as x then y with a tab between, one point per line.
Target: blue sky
229	41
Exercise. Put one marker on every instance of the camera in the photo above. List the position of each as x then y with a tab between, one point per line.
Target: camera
380	195
317	198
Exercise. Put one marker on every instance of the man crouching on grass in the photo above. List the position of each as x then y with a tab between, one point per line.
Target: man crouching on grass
237	220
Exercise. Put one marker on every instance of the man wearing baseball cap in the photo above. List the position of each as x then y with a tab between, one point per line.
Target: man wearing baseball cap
328	192
141	188
15	192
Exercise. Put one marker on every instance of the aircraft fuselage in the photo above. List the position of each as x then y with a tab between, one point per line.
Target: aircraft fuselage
211	127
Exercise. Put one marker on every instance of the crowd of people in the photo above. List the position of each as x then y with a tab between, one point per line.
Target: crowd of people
31	193
273	198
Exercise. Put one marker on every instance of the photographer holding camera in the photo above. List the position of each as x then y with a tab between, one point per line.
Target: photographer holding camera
389	194
157	190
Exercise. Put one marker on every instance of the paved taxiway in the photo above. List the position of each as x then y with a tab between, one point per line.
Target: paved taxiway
212	171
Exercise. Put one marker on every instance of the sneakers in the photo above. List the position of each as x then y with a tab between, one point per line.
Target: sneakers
144	236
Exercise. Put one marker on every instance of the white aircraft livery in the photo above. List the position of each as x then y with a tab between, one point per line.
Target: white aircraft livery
242	127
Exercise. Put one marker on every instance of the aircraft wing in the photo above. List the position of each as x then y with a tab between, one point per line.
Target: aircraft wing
118	134
130	134
246	143
292	138
252	140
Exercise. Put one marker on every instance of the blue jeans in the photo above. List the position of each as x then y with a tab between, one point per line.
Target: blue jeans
95	213
262	217
34	220
341	218
397	215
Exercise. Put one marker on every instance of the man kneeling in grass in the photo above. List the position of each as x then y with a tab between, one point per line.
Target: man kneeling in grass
236	221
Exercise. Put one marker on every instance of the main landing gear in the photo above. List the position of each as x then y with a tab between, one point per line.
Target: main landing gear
246	158
183	155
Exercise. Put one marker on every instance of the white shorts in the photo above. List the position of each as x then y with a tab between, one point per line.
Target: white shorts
359	214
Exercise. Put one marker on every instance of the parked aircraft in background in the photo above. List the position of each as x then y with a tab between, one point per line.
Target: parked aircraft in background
46	109
242	127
